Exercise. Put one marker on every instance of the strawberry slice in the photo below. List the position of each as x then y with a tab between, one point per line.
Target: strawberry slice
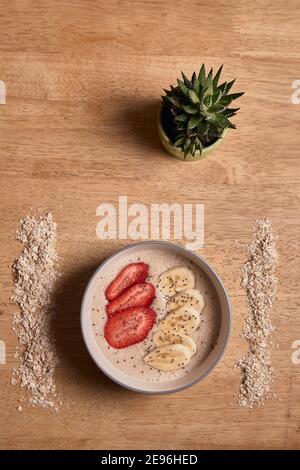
133	273
139	295
129	326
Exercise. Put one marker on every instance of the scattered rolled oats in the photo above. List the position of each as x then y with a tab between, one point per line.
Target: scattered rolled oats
35	277
259	282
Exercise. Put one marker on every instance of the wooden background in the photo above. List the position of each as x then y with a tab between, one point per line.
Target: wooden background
83	82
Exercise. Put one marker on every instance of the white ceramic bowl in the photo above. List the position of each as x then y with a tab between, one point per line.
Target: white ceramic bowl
140	384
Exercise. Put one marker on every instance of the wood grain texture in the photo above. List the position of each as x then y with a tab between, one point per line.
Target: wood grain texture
83	82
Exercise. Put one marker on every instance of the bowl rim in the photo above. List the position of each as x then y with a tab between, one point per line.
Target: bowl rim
196	257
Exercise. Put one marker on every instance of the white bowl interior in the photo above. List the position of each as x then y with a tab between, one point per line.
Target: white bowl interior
140	384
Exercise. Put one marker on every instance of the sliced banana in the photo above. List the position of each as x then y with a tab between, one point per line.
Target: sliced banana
176	279
184	320
169	357
189	298
161	337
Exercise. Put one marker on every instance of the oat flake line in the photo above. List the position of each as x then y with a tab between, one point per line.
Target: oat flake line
35	277
259	281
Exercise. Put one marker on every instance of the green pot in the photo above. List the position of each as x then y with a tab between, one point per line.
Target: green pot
177	152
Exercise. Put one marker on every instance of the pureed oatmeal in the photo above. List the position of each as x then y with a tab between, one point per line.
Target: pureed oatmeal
130	359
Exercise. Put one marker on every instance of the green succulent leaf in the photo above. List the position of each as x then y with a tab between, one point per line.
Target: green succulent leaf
222	120
186	146
178	142
190	109
216	108
229	112
222	87
226	100
207	100
203	93
203	127
175	91
234	96
217	76
197	87
215	129
181	127
216	97
183	88
209	76
173	100
231	125
186	81
229	86
209	87
194	121
198	144
201	75
182	118
193	96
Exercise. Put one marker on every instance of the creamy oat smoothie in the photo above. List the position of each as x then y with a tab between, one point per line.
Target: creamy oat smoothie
179	311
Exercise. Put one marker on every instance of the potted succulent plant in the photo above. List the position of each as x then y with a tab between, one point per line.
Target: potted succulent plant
194	116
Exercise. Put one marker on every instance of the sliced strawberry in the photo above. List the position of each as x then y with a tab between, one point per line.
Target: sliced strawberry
139	295
129	326
133	273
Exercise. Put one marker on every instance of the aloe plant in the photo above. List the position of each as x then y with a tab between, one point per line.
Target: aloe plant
199	110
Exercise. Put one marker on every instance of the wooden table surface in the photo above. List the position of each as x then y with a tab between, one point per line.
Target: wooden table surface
83	81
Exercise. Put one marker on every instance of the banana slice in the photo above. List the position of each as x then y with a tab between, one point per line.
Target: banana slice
169	357
184	320
189	297
176	279
162	337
